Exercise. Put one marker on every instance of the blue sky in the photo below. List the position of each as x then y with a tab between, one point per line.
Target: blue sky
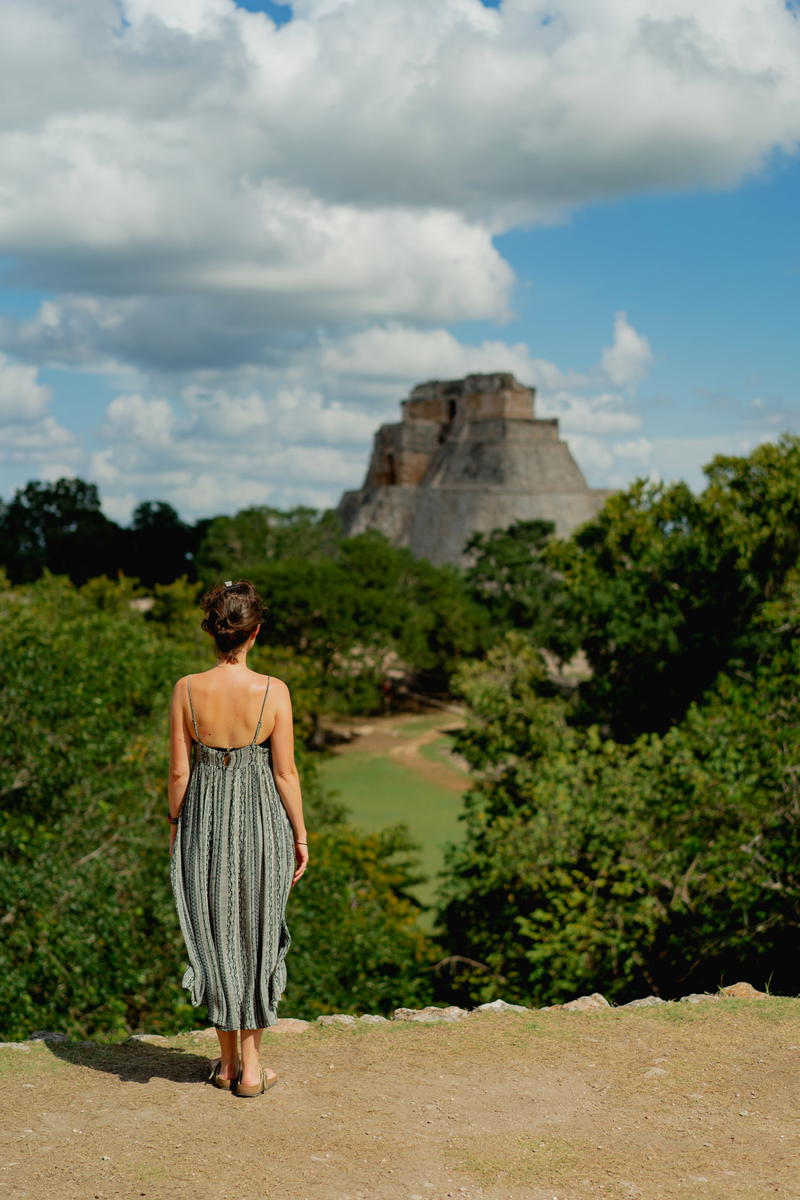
234	236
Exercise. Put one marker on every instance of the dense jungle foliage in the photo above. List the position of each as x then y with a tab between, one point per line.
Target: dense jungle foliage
643	832
635	832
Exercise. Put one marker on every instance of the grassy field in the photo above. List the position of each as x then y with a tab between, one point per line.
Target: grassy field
379	790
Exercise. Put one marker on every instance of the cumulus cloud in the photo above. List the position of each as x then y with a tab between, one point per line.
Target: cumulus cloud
629	357
402	353
637	449
29	434
215	178
213	451
263	261
227	438
148	422
22	397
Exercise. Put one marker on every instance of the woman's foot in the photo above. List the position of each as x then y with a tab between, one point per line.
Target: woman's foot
251	1076
228	1072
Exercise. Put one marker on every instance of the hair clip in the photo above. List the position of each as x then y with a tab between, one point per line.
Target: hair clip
228	583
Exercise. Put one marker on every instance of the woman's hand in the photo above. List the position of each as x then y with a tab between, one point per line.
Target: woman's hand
300	861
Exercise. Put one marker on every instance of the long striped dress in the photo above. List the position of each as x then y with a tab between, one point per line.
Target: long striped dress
231	870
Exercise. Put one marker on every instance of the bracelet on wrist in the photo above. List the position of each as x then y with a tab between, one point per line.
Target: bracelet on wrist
172	820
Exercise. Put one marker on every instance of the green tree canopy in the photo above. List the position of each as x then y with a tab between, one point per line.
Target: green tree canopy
59	527
509	575
664	588
669	864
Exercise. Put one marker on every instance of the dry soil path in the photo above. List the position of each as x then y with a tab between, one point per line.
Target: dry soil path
387	736
646	1104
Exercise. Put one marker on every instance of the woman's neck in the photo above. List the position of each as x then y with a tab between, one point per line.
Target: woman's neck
239	662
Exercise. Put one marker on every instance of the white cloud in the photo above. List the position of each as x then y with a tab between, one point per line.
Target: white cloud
605	412
407	355
592	455
637	449
225	438
219	181
148	422
211	451
629	357
684	457
29	434
22	397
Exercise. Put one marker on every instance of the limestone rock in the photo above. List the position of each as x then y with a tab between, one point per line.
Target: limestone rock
644	1002
373	1019
289	1025
743	991
430	1014
336	1019
15	1046
587	1003
48	1035
500	1006
468	456
698	997
146	1037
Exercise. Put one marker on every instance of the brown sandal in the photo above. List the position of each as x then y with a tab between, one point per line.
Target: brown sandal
214	1079
253	1089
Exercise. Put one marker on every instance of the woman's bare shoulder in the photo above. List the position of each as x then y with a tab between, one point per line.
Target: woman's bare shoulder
279	685
263	679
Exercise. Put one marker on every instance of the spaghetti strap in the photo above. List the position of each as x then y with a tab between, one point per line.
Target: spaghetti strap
261	714
191	706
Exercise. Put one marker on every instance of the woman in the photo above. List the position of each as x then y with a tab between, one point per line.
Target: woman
237	840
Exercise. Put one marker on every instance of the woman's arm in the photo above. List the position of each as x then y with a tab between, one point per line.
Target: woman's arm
285	773
180	757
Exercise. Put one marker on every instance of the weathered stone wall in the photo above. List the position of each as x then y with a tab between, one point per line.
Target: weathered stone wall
469	455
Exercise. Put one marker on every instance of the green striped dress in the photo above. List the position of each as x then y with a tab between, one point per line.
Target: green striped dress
231	870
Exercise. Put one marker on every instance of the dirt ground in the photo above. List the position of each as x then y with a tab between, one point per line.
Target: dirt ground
392	736
679	1100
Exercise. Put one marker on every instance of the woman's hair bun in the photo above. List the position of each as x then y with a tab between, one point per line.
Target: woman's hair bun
232	612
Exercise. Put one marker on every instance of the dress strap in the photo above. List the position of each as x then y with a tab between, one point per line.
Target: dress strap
191	706
261	714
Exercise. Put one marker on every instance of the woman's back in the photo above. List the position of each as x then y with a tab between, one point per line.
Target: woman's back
228	705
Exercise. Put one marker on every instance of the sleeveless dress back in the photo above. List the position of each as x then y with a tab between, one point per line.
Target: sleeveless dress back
231	870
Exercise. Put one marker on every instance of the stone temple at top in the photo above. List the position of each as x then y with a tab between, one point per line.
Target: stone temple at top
468	456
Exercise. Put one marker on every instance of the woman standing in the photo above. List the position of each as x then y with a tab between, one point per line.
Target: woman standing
238	840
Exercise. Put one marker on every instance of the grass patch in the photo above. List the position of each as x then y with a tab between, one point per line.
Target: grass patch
378	791
518	1160
417	725
441	751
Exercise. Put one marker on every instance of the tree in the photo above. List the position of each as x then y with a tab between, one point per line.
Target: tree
234	546
510	577
669	864
159	544
663	590
347	604
59	527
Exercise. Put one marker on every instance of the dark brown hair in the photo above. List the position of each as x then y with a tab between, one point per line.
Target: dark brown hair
233	611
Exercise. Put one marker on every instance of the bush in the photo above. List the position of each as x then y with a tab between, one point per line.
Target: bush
667	865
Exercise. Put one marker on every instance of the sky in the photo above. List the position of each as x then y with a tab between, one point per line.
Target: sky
233	236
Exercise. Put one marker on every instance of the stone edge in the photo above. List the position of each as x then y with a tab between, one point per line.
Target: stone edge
430	1015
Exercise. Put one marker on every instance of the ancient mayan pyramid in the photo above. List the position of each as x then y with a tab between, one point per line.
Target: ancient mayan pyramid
468	455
